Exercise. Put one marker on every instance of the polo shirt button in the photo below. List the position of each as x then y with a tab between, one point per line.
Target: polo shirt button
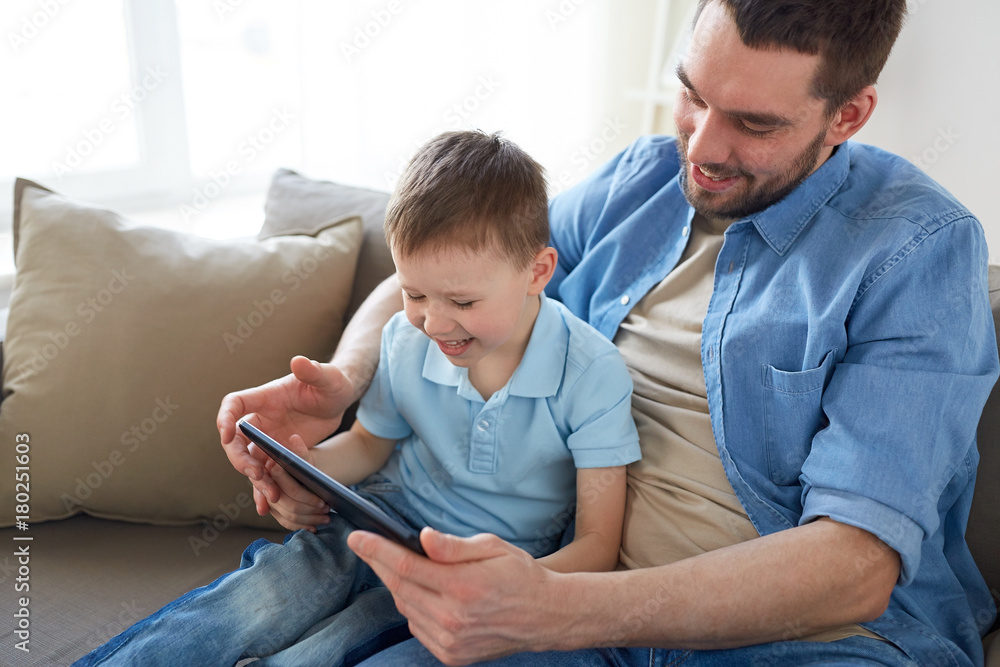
483	425
624	300
684	232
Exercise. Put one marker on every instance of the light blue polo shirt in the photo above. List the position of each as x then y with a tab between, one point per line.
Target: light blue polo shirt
506	465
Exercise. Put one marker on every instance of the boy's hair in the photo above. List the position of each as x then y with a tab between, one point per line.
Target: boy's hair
852	37
470	189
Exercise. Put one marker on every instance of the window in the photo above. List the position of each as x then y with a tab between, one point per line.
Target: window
183	106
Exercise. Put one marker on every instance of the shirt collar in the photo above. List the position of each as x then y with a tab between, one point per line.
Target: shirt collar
781	223
540	371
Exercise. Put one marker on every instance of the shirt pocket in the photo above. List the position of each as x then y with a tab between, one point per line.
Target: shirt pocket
793	414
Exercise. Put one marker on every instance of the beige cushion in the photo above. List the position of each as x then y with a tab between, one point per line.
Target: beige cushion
297	204
122	341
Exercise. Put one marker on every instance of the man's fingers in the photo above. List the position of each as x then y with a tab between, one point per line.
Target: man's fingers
431	572
414	583
309	372
230	410
240	454
445	548
385	556
325	379
398	568
235	406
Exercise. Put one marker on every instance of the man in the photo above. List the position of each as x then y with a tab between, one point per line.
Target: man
808	330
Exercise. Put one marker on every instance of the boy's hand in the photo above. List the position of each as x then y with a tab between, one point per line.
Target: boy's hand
297	507
310	402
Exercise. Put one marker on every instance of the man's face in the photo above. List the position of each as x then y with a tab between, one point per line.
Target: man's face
749	129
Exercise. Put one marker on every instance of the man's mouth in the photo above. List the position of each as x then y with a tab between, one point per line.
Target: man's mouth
714	177
713	182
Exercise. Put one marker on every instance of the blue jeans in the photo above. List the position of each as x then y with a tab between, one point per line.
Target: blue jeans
309	601
849	652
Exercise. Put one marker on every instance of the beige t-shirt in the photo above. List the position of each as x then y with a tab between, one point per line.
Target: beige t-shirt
680	503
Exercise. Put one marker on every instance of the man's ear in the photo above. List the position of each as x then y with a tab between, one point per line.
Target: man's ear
542	268
851	117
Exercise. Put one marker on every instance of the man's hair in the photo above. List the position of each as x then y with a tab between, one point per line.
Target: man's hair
473	190
852	37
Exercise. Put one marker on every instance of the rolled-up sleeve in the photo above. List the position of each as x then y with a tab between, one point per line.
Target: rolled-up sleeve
904	403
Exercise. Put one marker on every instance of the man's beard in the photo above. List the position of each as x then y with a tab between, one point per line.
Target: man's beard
754	197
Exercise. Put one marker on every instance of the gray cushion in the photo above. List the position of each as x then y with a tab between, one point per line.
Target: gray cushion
92	578
300	205
983	535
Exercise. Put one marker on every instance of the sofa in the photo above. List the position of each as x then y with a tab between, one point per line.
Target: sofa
121	341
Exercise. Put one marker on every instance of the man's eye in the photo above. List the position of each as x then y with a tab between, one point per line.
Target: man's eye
693	99
755	130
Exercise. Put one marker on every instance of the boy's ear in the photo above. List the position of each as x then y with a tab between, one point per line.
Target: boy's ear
542	268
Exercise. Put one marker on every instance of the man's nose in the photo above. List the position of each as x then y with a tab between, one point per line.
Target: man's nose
709	142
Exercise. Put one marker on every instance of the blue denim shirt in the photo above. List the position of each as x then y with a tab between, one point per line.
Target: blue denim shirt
848	351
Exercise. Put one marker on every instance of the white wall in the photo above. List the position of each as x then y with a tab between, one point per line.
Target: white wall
939	101
939	98
535	70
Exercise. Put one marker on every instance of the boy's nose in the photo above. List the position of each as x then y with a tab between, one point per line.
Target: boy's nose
437	325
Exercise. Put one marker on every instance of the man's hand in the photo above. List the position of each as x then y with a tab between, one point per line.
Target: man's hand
309	402
480	598
472	599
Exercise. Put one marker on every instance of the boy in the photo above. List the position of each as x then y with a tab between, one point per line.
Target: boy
489	406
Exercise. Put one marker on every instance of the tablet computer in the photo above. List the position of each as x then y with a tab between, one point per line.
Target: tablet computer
357	510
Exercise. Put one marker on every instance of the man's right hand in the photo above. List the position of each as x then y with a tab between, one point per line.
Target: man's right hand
309	402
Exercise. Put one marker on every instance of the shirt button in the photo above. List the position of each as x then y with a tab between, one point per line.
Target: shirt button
625	300
684	232
483	425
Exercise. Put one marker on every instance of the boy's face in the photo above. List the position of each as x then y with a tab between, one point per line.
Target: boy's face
472	305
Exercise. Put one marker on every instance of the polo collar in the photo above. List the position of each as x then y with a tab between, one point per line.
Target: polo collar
541	369
781	223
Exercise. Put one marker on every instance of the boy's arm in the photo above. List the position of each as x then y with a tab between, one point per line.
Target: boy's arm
348	457
600	513
352	456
